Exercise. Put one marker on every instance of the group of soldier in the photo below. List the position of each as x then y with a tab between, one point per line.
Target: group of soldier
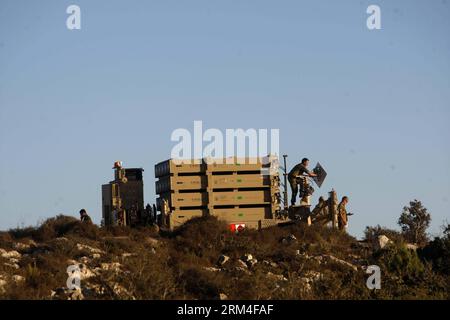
134	216
321	212
149	216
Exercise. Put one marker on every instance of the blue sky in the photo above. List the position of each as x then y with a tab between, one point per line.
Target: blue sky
372	106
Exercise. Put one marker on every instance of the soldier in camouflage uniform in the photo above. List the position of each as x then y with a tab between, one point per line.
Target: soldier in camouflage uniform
84	217
320	212
342	214
300	169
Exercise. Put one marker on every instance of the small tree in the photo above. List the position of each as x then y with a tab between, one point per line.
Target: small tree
414	222
437	251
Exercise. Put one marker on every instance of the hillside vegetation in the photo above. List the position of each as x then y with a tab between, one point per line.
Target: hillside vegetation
204	260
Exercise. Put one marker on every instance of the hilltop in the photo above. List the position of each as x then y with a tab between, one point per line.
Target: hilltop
204	260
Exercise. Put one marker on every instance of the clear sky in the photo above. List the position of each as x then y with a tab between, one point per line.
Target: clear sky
372	106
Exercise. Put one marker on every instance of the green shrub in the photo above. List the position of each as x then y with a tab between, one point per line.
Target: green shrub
20	233
400	261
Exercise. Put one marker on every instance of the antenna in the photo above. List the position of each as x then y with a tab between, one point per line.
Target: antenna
285	195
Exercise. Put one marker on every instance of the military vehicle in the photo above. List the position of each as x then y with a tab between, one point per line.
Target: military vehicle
244	192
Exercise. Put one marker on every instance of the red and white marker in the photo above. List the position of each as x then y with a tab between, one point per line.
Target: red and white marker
237	227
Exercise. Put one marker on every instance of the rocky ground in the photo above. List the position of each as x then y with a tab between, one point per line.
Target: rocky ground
204	260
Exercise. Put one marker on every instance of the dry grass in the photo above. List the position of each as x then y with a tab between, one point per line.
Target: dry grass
177	265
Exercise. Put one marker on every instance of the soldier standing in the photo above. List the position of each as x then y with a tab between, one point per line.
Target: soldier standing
148	215
133	215
342	214
154	215
300	169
